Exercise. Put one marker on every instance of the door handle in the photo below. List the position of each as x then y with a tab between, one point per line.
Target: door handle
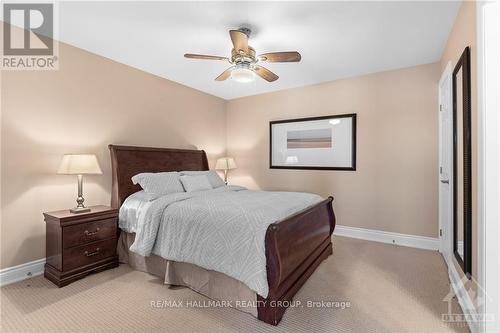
445	181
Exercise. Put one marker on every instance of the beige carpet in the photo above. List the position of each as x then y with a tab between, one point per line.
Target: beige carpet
390	288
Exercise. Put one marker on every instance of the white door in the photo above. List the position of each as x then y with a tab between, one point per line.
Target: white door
445	166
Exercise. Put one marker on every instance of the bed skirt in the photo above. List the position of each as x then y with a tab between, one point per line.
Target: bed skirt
214	285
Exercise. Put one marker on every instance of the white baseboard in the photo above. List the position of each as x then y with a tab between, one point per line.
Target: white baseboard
420	242
463	297
21	272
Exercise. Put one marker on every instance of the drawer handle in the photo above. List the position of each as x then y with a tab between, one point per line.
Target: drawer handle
90	254
91	233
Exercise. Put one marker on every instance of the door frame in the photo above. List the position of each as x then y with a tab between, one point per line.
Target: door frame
488	148
445	227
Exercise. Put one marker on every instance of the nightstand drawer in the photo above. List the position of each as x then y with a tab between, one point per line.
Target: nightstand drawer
84	233
87	254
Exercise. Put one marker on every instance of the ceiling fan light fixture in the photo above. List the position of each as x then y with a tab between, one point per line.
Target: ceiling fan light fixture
242	74
244	59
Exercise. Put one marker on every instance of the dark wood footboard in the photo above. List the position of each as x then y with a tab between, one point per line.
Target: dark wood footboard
294	248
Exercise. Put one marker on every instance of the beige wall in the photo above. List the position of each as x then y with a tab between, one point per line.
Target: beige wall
92	101
395	185
462	35
87	104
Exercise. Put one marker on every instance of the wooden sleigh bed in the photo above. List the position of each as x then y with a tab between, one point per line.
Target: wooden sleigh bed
294	247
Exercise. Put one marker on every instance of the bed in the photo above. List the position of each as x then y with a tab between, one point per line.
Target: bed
294	246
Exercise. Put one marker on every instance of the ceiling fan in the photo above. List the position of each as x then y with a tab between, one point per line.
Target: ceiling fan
245	61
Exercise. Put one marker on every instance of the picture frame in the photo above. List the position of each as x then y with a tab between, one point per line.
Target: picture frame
313	143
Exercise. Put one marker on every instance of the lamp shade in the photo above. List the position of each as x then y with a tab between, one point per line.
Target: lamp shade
225	163
79	164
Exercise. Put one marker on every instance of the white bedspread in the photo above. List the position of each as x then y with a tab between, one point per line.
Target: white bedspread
222	229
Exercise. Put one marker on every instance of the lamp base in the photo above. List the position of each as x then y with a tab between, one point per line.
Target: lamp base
78	210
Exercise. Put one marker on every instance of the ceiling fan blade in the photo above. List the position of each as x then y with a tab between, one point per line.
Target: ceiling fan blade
240	40
265	73
292	56
225	75
204	57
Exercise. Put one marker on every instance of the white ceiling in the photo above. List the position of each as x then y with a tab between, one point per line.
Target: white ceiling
336	39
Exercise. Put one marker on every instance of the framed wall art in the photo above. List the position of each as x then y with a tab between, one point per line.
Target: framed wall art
316	143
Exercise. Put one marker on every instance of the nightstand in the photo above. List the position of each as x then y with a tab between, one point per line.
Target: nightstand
79	244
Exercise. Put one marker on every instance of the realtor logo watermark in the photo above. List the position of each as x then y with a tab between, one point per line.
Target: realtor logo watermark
479	299
29	36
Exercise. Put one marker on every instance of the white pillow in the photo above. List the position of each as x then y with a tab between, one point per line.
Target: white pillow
195	183
158	184
212	175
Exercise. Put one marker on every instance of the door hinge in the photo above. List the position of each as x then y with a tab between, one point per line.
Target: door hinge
440	107
440	232
440	170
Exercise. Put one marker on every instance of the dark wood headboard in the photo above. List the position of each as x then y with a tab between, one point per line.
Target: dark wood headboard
127	161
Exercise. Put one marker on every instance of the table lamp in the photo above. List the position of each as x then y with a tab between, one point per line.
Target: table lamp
79	164
225	163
